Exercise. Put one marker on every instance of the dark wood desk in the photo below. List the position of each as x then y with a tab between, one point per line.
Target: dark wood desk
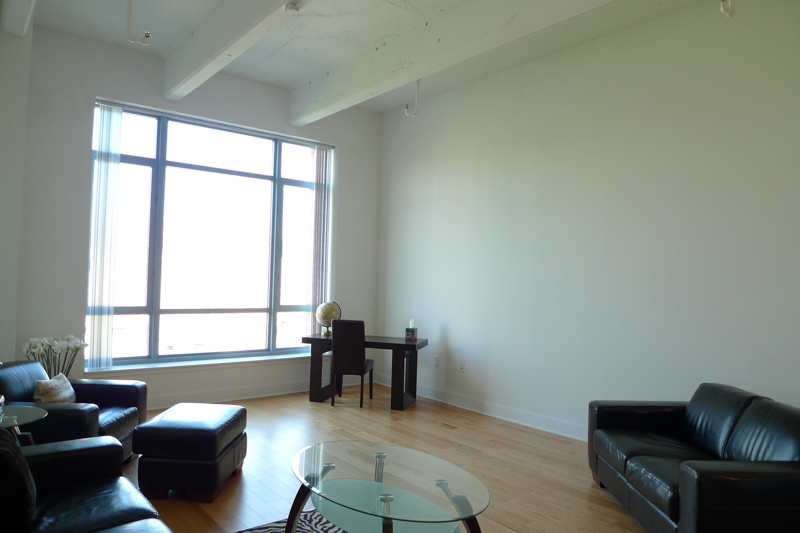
404	367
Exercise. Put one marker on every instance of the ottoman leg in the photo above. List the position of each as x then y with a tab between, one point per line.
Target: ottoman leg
155	494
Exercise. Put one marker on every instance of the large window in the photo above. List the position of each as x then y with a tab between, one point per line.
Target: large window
207	241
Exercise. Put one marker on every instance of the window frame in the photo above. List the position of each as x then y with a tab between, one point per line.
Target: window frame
158	166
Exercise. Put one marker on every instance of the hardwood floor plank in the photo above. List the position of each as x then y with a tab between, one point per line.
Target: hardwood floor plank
538	481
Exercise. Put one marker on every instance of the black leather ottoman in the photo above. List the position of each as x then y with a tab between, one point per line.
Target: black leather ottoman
191	447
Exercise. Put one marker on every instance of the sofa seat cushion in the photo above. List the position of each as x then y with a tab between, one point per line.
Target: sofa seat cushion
617	446
92	507
118	421
766	431
656	478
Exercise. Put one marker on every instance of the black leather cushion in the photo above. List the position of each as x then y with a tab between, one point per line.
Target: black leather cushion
190	431
92	506
17	490
617	446
117	421
656	478
18	380
711	413
766	431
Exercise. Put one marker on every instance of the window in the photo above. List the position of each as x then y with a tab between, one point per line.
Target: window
207	241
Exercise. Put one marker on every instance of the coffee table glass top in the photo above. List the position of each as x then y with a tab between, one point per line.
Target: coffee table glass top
390	481
18	415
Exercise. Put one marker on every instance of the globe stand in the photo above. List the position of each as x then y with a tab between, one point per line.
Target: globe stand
326	331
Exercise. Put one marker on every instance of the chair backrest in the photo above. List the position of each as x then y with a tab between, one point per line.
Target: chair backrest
18	380
349	353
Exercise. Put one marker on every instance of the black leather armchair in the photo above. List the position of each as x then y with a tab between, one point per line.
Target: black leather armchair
71	487
103	407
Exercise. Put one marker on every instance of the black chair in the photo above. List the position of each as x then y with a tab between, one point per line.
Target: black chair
102	406
349	355
74	486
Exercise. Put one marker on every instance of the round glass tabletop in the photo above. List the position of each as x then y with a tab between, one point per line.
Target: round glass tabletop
389	481
17	415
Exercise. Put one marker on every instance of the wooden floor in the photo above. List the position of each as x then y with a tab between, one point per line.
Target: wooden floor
538	482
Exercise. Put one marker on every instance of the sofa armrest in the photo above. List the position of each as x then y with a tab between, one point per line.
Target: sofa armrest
113	393
62	464
660	417
739	496
64	421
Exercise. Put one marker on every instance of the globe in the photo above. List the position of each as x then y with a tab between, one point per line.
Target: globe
326	313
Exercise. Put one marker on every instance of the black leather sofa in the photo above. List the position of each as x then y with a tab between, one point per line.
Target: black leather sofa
70	487
103	407
725	461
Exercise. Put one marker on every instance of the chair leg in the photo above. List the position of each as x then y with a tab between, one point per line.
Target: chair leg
370	384
333	389
362	391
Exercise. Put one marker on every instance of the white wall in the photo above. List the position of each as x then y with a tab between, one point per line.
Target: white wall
67	74
616	221
15	53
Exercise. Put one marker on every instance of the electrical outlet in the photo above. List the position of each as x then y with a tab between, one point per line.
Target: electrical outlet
461	366
435	361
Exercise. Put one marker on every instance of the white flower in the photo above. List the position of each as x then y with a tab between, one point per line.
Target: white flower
55	355
74	343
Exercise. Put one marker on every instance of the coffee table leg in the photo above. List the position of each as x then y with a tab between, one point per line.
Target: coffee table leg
471	525
303	493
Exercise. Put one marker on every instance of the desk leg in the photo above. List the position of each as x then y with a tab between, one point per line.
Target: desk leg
303	493
404	378
316	392
411	374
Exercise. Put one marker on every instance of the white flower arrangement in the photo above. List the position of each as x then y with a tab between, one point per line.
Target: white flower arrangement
55	355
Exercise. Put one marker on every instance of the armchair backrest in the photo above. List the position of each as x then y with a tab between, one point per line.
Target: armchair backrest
18	380
349	353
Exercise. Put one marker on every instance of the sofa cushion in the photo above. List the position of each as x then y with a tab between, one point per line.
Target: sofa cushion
94	506
18	380
712	412
56	390
766	431
118	421
656	478
617	446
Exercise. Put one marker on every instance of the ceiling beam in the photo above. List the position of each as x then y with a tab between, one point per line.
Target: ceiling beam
16	15
464	31
229	31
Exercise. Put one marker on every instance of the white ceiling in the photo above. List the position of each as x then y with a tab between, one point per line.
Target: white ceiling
333	54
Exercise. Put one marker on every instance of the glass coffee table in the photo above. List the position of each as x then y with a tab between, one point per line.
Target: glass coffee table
365	487
19	415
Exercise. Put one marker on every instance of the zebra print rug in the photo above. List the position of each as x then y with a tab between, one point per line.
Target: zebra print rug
309	522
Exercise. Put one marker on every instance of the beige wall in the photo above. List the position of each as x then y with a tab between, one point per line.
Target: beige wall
618	220
15	55
67	74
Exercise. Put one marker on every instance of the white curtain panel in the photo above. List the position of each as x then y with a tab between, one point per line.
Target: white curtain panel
322	193
101	269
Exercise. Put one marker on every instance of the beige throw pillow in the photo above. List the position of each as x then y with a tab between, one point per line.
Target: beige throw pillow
56	390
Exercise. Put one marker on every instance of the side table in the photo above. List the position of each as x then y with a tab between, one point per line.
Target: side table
19	415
